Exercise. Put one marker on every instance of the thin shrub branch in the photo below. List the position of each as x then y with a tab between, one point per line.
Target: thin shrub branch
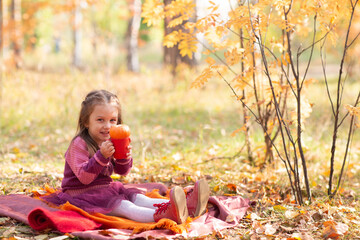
339	100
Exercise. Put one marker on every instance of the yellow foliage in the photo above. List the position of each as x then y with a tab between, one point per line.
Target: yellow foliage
187	45
204	77
152	12
243	128
171	39
180	7
207	22
177	21
355	111
233	55
274	26
210	61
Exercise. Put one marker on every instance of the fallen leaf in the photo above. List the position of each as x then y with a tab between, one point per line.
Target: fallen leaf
230	218
279	208
8	232
178	180
270	229
287	229
334	230
330	232
256	225
3	220
289	214
231	187
301	236
329	223
317	216
106	233
341	228
253	216
41	237
24	229
15	150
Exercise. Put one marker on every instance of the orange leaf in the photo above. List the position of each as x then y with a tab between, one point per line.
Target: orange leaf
328	223
330	232
231	187
334	230
243	128
210	61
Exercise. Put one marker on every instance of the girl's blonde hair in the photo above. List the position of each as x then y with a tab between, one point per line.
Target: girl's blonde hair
92	99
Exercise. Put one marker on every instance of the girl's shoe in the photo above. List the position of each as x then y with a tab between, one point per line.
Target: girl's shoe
197	198
175	209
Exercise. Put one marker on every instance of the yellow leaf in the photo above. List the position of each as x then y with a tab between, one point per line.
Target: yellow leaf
152	12
353	110
229	194
313	183
15	150
243	128
203	78
210	61
216	188
279	208
171	39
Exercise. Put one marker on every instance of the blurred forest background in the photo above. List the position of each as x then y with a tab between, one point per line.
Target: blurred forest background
259	97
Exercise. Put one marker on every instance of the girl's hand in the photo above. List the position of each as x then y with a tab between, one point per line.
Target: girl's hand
107	149
128	154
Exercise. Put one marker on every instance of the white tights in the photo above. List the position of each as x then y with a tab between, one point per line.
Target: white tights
140	210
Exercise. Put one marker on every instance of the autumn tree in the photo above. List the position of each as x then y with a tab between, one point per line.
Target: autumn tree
76	30
132	35
16	34
268	49
175	15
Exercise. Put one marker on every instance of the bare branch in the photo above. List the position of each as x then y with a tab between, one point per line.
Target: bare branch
311	52
323	64
347	114
223	62
256	117
347	149
338	101
357	35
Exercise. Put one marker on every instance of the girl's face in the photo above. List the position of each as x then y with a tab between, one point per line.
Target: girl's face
101	119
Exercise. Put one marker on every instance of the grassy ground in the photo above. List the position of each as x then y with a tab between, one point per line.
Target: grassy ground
179	135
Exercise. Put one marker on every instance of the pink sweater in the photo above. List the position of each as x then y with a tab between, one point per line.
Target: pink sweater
83	172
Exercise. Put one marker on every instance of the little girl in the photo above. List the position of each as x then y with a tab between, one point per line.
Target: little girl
89	164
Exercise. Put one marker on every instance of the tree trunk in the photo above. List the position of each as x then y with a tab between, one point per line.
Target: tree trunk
172	55
132	36
16	31
77	19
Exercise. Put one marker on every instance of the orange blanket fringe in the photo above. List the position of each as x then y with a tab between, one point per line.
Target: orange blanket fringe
123	223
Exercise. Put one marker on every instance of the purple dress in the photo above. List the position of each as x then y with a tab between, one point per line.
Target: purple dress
87	183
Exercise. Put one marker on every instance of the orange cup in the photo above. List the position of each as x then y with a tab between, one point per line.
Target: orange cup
121	147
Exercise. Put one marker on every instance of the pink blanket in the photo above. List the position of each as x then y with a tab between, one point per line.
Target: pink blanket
223	212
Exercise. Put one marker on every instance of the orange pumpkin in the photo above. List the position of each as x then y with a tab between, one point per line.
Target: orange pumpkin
120	131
